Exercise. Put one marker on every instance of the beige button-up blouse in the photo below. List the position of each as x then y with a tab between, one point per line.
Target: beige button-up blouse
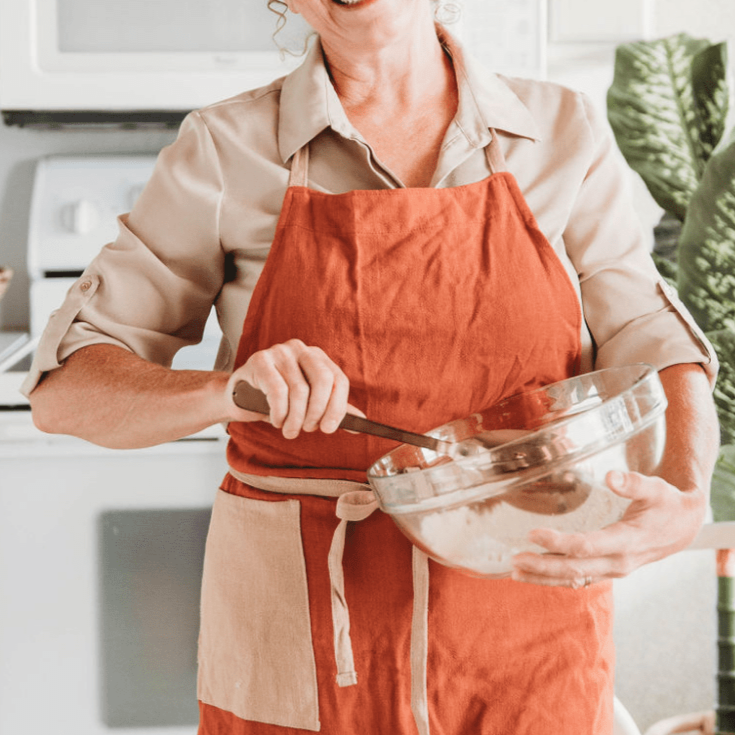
200	231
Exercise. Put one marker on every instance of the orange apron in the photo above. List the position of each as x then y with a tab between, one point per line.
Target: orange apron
435	303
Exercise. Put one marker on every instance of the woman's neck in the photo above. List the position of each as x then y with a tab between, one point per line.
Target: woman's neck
393	76
401	100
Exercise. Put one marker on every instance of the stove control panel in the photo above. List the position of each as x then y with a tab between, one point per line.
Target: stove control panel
74	208
75	204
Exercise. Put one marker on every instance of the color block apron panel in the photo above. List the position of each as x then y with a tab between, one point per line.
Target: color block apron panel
436	303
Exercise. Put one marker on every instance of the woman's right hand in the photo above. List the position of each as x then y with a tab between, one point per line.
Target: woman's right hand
306	390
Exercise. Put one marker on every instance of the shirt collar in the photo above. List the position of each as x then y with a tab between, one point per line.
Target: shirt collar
309	103
486	101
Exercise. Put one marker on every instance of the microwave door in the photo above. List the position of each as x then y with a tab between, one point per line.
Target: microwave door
165	26
132	56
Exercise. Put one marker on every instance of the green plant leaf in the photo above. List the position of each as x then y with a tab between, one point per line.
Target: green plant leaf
658	118
711	94
666	268
723	485
666	245
706	258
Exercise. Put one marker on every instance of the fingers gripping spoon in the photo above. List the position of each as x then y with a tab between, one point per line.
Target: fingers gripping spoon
251	399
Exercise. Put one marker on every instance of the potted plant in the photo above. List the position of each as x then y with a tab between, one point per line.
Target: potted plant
668	107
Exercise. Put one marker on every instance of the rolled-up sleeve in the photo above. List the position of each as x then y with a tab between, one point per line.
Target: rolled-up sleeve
152	289
632	314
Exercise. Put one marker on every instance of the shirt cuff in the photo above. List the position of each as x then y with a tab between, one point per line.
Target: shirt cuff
48	354
664	338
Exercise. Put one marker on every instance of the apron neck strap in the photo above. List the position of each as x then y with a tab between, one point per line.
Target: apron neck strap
299	175
495	157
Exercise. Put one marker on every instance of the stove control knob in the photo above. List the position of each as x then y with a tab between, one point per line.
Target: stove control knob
80	217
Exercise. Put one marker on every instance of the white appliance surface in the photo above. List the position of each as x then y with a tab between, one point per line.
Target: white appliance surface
100	568
73	609
10	342
11	403
75	203
100	550
82	55
74	207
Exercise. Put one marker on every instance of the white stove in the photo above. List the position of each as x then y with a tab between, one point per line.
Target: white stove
100	549
74	207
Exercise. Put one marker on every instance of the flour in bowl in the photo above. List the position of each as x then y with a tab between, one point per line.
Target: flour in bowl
483	537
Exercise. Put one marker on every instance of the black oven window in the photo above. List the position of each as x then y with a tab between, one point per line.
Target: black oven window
150	574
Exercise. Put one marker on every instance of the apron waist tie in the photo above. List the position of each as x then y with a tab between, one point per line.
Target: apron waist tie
352	506
355	502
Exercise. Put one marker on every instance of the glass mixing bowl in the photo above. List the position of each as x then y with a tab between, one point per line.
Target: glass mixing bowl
539	461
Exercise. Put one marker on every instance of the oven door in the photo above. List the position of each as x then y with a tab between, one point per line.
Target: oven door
100	564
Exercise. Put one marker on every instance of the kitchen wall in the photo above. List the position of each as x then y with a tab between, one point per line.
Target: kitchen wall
713	19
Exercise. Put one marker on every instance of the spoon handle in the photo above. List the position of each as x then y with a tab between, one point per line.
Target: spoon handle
251	399
366	426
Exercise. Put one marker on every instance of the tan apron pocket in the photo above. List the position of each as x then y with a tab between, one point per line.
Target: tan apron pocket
256	657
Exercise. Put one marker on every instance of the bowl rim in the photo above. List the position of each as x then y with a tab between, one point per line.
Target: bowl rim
507	480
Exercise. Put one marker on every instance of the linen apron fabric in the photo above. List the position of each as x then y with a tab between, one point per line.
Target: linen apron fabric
436	303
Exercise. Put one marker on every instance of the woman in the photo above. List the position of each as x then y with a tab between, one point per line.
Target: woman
434	231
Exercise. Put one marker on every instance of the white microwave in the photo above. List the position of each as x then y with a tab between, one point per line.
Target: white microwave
131	61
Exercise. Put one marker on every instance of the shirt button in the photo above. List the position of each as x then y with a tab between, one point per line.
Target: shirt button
85	285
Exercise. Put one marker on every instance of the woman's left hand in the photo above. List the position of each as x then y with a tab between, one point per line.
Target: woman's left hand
660	520
665	512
